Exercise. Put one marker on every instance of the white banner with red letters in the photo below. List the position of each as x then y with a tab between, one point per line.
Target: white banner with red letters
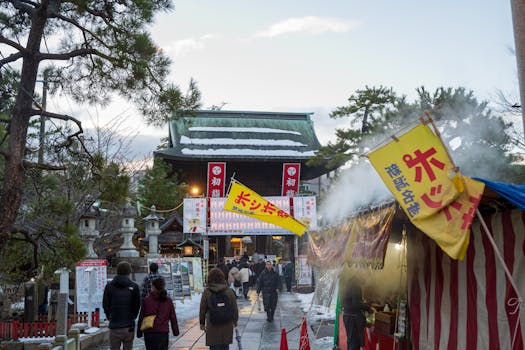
291	177
216	179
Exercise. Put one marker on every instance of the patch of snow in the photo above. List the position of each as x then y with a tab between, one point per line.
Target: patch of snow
246	152
188	308
37	340
91	330
248	142
323	343
239	129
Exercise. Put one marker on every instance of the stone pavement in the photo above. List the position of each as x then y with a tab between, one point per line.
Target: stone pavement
255	332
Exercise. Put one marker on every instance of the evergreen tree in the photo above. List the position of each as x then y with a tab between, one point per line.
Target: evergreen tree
104	48
160	187
367	111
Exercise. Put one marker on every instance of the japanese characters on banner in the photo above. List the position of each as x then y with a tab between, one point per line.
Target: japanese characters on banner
305	210
216	179
291	178
417	170
194	215
222	221
245	201
82	285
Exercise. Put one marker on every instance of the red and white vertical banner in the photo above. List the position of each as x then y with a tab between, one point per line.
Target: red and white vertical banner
291	177
216	179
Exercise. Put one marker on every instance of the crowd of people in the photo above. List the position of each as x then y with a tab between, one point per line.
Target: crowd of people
124	301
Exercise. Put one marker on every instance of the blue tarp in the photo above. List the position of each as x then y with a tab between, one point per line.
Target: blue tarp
511	192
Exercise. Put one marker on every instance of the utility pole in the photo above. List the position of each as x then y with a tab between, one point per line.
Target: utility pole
518	19
42	135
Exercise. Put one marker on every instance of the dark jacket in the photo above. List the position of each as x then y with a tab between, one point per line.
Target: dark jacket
288	270
121	302
164	312
222	333
268	281
353	308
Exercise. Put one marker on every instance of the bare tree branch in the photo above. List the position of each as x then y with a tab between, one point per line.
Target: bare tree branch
11	58
68	55
28	164
22	5
13	44
56	116
4	153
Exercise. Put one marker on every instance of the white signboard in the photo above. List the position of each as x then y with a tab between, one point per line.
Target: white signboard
303	271
194	220
97	267
305	211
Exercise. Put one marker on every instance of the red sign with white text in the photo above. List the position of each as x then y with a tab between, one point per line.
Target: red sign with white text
216	179
291	177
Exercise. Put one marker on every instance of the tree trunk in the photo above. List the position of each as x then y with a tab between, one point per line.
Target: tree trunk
11	195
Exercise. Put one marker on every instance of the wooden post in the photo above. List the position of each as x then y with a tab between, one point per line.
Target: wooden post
518	19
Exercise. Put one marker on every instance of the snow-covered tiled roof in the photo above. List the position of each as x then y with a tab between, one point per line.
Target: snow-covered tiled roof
241	135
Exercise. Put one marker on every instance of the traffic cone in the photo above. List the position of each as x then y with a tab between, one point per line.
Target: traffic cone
284	341
304	341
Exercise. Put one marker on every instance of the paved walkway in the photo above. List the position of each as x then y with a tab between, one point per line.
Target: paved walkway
255	332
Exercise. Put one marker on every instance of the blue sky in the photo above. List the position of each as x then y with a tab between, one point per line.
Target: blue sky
310	56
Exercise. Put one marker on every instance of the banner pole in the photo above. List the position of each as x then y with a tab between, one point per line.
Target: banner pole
430	121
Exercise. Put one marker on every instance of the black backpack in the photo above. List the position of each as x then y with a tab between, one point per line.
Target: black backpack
220	308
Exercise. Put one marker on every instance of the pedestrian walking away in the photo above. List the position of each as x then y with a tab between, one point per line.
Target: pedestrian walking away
121	303
288	274
245	278
218	312
146	283
268	283
159	305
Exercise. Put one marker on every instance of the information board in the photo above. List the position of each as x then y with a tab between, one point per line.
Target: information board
99	268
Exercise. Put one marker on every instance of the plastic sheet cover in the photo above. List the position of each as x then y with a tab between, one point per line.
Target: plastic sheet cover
359	241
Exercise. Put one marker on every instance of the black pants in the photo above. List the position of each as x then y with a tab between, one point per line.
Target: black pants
354	332
245	288
270	303
156	341
288	284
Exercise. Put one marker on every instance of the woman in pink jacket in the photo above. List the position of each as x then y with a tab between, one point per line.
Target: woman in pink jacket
158	303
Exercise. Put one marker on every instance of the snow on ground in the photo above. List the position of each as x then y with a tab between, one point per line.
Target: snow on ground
316	314
188	308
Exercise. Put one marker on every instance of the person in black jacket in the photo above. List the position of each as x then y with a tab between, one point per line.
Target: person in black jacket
121	303
353	313
269	282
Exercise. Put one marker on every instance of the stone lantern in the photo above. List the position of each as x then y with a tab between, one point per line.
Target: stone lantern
88	230
127	229
152	232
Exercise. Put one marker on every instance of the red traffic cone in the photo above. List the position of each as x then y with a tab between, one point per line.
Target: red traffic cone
284	341
304	341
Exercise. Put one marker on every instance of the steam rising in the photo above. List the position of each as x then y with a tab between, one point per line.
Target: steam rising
354	188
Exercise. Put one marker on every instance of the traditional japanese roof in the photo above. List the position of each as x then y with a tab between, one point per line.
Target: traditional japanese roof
236	135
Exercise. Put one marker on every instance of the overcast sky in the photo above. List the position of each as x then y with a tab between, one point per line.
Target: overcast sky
310	56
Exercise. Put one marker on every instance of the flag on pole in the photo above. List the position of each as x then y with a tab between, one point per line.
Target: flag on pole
417	170
242	200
